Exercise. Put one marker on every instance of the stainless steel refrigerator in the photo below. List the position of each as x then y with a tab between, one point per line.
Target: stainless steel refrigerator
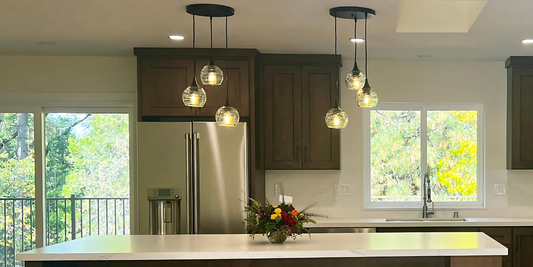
208	162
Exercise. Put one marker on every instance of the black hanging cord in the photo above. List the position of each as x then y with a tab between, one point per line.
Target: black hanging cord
226	34
194	40
335	35
366	45
211	29
355	43
211	62
366	87
337	81
227	71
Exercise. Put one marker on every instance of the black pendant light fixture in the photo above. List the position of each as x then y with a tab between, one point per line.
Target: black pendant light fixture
211	74
367	97
194	95
336	117
227	116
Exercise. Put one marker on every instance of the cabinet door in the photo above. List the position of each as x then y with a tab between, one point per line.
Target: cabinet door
520	130
321	145
523	246
504	236
236	80
507	261
283	117
162	82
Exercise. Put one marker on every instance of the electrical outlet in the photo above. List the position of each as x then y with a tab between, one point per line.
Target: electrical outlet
342	189
277	189
500	189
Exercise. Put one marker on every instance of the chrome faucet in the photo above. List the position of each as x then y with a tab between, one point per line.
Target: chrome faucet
426	189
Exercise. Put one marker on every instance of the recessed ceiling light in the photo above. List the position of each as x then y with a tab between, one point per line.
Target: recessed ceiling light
176	37
357	40
425	56
527	41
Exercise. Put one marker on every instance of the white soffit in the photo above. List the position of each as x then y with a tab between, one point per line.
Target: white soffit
415	16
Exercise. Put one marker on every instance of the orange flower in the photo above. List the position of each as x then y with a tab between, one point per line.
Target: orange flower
294	213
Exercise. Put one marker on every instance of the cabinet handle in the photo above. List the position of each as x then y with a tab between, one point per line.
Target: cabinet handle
297	154
305	154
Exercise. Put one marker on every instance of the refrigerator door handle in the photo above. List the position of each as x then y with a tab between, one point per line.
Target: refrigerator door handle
196	182
190	202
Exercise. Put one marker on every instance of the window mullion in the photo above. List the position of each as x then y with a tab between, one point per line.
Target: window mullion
423	149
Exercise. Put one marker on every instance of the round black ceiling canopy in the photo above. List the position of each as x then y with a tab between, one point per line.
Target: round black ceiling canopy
210	10
351	12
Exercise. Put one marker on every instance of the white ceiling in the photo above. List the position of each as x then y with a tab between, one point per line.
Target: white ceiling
114	27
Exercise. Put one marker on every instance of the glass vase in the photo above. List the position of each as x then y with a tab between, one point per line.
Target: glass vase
277	237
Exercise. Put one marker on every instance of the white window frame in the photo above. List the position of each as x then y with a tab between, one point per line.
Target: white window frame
424	108
41	103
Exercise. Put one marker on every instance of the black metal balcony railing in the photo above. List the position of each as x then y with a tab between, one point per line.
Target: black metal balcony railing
66	219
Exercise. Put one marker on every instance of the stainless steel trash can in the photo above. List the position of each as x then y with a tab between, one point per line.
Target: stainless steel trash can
164	210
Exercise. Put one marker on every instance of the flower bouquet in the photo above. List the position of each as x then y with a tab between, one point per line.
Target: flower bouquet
277	222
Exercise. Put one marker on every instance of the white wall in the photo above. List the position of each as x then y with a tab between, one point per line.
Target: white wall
52	74
416	81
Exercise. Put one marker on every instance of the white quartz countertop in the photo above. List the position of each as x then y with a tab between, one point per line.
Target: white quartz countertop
208	247
373	223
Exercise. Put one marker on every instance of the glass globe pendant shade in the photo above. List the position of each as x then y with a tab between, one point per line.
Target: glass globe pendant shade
194	95
366	98
355	80
211	74
227	116
336	118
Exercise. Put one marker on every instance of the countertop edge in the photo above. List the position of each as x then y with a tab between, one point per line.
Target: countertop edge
260	255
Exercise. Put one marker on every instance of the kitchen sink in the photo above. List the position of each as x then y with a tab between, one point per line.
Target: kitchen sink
428	220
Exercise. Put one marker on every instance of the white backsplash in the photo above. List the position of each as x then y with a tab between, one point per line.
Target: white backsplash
317	188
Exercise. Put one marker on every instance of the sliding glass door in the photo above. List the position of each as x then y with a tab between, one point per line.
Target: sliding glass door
17	185
64	175
87	175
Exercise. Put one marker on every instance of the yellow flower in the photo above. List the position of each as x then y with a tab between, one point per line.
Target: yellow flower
277	211
273	216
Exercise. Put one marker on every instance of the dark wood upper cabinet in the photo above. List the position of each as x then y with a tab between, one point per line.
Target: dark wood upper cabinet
298	91
283	117
519	112
321	144
160	81
163	74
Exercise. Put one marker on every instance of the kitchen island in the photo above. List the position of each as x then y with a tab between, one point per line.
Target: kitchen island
362	249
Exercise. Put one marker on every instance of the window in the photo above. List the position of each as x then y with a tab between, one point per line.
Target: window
403	142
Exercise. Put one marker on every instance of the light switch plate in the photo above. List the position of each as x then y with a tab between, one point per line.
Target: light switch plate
342	189
500	189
